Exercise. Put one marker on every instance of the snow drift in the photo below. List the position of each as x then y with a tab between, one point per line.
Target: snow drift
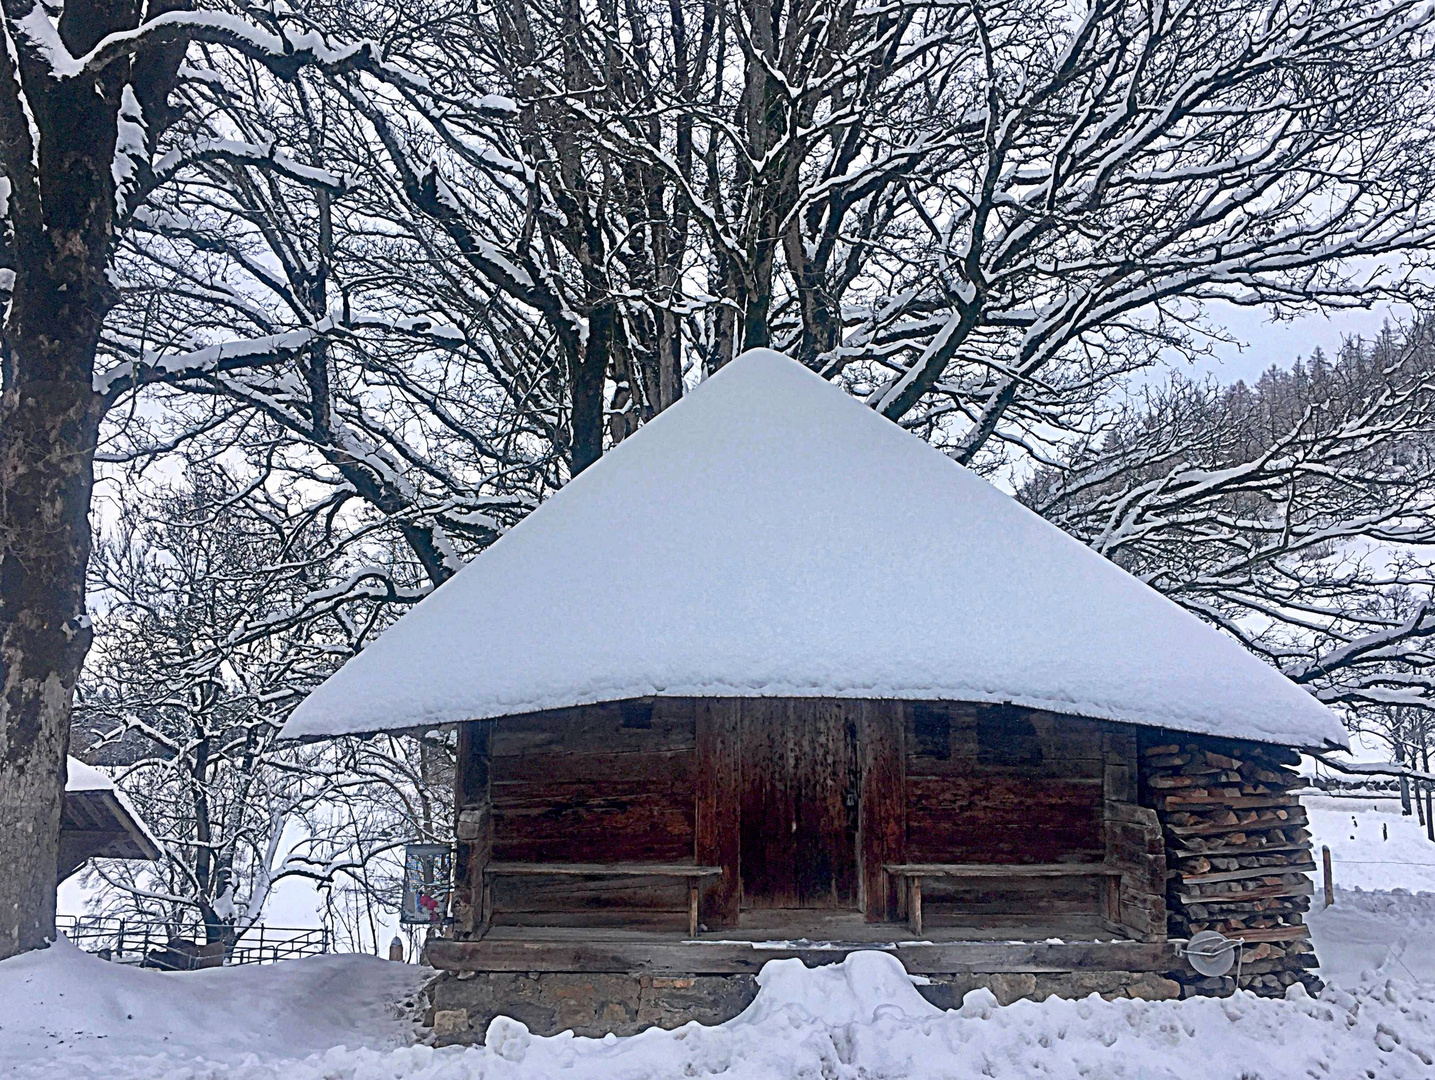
68	1015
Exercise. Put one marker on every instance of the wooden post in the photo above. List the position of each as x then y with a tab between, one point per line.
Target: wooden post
914	903
692	907
882	806
473	826
717	820
1329	881
1429	801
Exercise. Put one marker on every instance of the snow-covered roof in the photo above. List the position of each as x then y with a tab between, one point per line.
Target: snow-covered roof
86	780
82	777
769	535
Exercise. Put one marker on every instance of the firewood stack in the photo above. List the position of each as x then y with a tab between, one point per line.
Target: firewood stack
1238	856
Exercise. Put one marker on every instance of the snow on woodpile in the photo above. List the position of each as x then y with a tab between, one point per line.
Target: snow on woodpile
771	536
68	1016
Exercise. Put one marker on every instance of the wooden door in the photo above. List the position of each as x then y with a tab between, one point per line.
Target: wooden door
799	816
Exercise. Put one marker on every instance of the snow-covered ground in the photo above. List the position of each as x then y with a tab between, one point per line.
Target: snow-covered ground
67	1015
1371	845
64	1014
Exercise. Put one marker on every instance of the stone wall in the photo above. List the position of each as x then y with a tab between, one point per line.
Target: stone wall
462	1005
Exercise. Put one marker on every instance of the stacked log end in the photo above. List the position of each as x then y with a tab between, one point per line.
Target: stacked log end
1238	856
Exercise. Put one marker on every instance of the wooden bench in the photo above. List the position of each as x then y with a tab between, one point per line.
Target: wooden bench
692	874
913	873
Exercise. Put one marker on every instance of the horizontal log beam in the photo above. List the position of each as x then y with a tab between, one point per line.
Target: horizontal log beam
673	870
737	957
1003	870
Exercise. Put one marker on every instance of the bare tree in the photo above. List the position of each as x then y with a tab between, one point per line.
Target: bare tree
80	93
1296	514
207	638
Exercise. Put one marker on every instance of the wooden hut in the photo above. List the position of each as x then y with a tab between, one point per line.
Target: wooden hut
775	678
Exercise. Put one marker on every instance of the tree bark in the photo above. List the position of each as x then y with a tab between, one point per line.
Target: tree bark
61	217
48	430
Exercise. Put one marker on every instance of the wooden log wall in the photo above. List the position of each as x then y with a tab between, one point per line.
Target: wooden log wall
595	784
1239	852
1001	784
1134	842
803	802
998	784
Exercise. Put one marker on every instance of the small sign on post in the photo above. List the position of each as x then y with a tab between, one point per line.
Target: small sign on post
428	881
1329	880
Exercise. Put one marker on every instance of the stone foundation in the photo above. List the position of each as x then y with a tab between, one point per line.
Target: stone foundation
462	1005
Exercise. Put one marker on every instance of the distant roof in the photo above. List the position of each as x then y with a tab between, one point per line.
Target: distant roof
99	819
769	535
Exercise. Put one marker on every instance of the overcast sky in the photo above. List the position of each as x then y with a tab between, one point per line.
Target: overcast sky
1267	343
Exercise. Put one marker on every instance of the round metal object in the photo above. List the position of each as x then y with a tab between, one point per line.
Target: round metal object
1211	953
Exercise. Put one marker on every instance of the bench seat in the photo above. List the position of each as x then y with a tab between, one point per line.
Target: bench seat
685	871
913	873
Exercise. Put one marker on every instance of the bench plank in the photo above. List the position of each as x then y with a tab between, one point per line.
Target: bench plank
1003	870
686	871
913	873
678	870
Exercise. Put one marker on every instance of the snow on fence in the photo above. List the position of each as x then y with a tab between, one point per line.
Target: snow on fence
154	943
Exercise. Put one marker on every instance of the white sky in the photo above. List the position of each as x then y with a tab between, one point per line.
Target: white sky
1280	343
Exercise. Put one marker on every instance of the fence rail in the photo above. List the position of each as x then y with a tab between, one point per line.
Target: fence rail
155	943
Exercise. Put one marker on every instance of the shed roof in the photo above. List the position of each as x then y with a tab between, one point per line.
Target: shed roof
99	820
769	535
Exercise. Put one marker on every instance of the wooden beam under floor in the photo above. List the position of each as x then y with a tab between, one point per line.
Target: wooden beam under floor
736	957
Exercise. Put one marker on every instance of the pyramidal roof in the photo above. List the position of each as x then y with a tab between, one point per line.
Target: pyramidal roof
769	535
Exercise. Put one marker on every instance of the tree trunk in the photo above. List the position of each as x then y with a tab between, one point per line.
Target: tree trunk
47	441
61	212
588	373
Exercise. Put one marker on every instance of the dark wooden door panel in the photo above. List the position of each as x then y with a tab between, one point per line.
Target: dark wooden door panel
769	848
799	804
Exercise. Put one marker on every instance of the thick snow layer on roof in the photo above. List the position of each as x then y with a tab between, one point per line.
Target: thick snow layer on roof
771	536
82	777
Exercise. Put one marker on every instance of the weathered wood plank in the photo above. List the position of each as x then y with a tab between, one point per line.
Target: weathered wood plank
602	821
472	763
653	770
717	836
473	827
996	819
1003	870
767	819
609	728
822	745
676	870
883	826
719	958
555	897
957	739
